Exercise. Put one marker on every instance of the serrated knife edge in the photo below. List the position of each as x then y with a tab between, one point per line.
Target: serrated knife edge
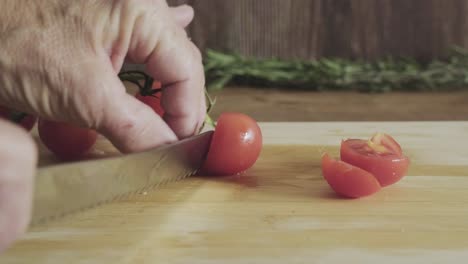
65	189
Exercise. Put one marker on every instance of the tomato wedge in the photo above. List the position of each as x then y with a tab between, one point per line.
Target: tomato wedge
347	180
366	166
381	156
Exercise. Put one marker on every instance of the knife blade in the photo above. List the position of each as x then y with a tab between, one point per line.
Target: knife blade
67	188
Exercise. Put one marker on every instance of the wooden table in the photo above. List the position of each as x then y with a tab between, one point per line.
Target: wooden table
274	105
282	211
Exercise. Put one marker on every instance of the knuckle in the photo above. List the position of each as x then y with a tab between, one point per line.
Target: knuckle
145	24
125	128
86	104
88	95
171	34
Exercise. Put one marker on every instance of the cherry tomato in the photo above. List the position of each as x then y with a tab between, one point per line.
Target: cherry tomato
154	100
27	121
347	180
68	142
235	146
381	156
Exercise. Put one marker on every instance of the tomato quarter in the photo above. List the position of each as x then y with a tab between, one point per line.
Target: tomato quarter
235	146
366	166
348	180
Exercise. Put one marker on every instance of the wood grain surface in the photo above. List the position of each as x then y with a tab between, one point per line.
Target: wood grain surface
281	211
273	105
310	29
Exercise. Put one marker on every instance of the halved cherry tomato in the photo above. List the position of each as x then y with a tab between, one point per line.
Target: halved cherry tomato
381	156
386	141
153	100
27	121
348	180
235	146
68	142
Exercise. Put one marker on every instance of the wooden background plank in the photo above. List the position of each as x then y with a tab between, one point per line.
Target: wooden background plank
311	29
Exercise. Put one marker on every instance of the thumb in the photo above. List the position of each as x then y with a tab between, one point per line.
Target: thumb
18	160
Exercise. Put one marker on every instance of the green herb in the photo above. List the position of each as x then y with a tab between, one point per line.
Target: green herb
390	74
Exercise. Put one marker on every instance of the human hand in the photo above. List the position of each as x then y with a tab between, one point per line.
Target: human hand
60	59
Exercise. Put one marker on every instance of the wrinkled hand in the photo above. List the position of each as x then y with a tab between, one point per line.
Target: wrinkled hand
59	59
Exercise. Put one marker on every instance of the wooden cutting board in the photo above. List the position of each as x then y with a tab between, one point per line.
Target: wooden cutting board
281	211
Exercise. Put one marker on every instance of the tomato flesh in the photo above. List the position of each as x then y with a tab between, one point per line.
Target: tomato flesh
66	141
347	180
382	157
235	146
387	142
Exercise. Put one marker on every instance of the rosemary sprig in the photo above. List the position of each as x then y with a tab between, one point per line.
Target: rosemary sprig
390	74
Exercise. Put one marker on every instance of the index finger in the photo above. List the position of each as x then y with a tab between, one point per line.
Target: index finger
181	73
171	58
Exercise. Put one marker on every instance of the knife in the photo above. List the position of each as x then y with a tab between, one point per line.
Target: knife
67	188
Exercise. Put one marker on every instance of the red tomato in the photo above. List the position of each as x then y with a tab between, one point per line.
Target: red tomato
27	122
235	146
381	156
153	101
157	85
347	180
66	141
